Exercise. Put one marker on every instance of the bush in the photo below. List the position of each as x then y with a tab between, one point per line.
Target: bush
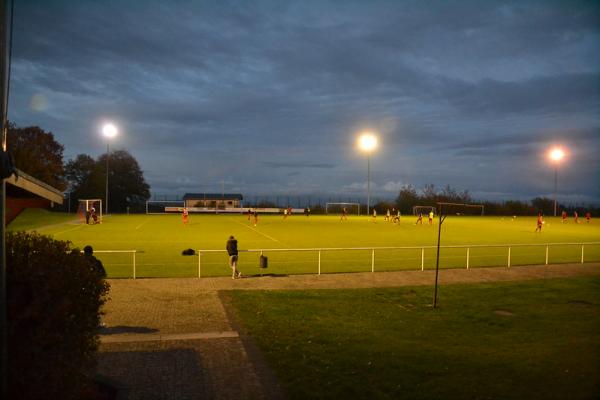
54	300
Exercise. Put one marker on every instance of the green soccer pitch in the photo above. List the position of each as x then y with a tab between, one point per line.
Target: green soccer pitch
160	239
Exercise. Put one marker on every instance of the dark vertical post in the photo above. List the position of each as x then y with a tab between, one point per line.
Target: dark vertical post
437	260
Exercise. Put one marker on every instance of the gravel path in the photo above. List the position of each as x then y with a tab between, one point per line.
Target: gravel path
173	338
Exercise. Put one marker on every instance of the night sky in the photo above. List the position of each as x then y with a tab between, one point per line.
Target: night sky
269	96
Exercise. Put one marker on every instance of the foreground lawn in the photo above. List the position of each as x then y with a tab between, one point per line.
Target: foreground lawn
533	340
160	239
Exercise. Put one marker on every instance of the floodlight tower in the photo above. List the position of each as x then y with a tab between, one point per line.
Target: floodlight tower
109	131
556	155
367	142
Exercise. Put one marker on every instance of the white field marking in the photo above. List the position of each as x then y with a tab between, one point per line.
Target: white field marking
259	232
143	222
68	230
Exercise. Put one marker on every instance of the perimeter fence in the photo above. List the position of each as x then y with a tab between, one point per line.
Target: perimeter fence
290	261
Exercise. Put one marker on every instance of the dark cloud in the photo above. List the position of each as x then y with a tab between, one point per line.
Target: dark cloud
242	92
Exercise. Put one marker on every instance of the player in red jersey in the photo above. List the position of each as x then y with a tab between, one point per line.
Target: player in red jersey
540	222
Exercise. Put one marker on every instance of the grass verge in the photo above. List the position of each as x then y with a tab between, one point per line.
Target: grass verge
534	340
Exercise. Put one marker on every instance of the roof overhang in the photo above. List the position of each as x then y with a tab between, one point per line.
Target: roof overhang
35	186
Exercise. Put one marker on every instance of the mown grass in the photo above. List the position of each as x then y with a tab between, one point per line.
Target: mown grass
531	340
159	240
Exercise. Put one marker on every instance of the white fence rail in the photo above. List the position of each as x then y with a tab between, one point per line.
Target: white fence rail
467	248
132	252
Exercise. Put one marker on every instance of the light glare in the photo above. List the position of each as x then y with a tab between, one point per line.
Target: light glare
557	154
367	142
109	130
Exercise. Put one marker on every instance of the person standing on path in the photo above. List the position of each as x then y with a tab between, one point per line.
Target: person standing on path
233	257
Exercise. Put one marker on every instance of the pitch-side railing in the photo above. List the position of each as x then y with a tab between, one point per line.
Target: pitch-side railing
132	252
468	248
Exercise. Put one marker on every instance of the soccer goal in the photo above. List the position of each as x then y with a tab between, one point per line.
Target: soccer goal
164	207
423	210
89	210
336	208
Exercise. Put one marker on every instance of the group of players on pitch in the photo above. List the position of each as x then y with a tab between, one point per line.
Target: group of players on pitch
564	216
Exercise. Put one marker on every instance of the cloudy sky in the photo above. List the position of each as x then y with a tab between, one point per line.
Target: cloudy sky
269	96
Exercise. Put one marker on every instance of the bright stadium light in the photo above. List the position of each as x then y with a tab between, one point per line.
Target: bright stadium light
556	155
109	131
367	142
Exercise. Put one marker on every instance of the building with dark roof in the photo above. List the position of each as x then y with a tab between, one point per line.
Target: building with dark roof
213	200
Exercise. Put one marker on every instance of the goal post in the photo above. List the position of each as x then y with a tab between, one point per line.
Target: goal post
336	208
423	209
164	207
93	206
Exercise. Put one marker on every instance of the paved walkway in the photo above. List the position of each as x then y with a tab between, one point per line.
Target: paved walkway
173	339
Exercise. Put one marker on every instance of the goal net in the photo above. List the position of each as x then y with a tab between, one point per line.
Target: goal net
336	208
423	210
89	211
164	207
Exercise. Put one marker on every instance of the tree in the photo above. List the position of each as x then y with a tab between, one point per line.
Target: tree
407	199
126	184
38	154
543	204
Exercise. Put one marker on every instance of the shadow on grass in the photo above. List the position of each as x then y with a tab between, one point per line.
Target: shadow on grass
113	330
262	275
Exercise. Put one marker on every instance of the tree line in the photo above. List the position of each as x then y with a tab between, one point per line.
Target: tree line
37	153
409	196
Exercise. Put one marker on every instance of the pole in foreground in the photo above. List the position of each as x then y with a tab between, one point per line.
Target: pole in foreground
6	12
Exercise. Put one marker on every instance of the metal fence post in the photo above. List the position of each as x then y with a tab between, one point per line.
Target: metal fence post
373	260
508	263
547	254
582	254
199	264
319	262
468	256
134	264
422	258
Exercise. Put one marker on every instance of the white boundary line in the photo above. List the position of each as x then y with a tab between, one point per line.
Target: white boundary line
140	225
259	232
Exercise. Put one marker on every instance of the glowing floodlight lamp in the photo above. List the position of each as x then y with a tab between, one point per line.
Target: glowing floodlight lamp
109	131
367	142
557	154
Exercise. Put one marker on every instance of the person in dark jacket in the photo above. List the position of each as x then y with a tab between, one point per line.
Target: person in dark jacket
88	252
233	257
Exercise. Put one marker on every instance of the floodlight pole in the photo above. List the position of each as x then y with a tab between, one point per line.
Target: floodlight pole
368	182
107	153
555	186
